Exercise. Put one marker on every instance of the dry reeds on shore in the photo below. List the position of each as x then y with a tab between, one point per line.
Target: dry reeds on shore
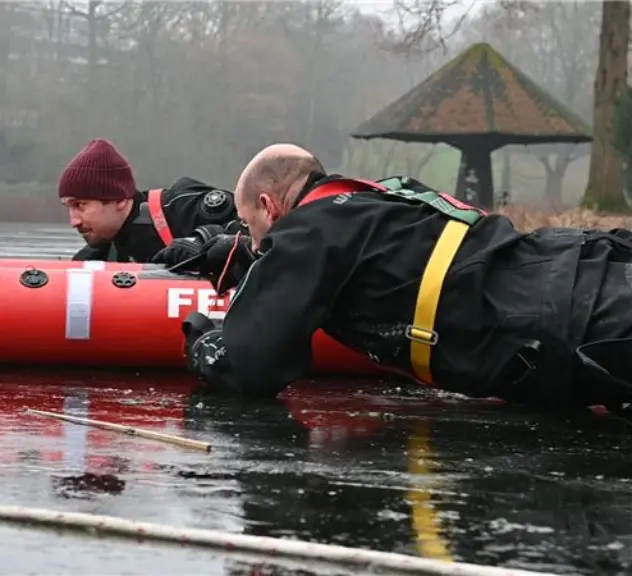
528	218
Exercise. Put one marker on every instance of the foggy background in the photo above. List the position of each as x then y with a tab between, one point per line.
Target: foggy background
196	88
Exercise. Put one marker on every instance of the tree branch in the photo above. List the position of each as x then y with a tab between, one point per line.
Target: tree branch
426	34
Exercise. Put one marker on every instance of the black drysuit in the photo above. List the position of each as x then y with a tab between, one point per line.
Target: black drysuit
523	317
188	204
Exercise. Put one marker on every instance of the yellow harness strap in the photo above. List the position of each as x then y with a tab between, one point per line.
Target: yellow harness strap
422	333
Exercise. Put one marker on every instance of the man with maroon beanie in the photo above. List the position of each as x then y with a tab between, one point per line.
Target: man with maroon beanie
120	223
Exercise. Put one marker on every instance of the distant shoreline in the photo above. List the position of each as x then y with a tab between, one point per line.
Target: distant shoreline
31	202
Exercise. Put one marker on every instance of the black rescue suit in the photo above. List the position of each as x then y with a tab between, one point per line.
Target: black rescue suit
435	289
160	215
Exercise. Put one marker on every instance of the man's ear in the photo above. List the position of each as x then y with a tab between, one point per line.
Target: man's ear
265	200
269	205
121	204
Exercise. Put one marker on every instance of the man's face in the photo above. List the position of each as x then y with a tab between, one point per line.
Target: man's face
96	220
258	216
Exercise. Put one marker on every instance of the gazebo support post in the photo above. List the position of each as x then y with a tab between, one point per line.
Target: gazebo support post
475	182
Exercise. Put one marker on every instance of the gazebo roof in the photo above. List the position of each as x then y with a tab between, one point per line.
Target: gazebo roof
478	93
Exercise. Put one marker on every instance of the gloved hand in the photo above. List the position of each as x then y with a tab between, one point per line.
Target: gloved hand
194	326
178	251
205	351
208	232
235	226
183	249
227	260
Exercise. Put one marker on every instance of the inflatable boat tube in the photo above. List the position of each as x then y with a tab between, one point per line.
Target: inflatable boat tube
120	317
65	264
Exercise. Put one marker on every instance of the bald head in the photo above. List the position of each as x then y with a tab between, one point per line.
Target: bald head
270	184
280	171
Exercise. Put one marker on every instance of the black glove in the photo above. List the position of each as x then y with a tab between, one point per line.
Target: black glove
182	249
235	226
208	232
194	326
205	351
224	273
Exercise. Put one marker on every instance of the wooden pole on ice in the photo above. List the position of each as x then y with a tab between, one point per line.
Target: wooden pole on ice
262	545
138	432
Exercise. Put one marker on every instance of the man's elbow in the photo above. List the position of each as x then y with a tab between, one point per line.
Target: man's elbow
223	374
251	369
265	370
262	385
233	384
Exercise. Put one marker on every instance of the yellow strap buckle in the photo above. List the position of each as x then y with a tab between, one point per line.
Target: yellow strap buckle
422	335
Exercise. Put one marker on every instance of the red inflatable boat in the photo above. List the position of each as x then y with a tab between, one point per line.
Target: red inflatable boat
59	312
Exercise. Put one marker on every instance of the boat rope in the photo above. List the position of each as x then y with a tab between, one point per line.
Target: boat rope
260	545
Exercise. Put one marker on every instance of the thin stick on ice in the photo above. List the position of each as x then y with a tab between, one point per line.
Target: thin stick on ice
261	545
138	432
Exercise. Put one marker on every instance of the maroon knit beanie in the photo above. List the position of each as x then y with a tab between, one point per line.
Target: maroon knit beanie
98	172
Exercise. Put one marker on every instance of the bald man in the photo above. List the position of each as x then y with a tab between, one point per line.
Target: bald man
266	190
270	184
432	288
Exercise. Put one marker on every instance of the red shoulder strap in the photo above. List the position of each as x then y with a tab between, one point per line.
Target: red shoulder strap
158	216
341	186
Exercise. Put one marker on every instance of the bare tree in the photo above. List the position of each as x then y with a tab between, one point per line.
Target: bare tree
185	88
96	19
424	26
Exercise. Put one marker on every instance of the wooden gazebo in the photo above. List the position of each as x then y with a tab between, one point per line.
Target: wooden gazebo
477	102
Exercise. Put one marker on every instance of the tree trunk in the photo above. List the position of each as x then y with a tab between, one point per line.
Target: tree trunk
93	55
505	182
388	156
605	179
555	172
553	190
